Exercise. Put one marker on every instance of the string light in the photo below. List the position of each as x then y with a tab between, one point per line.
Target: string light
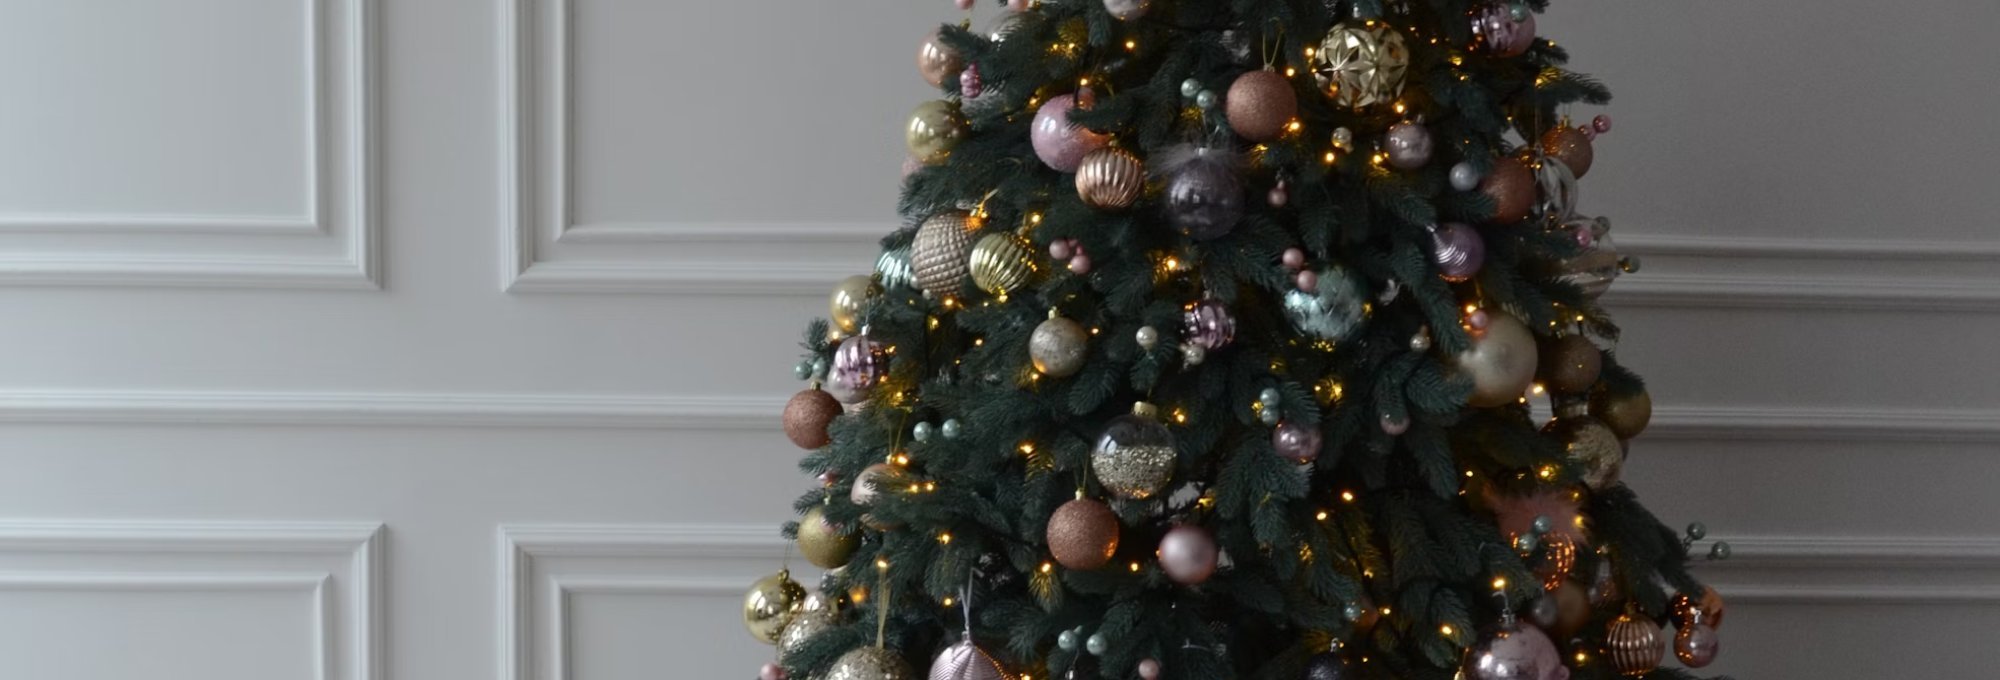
1500	583
1347	496
1446	629
945	538
1048	567
1321	515
1135	567
1027	448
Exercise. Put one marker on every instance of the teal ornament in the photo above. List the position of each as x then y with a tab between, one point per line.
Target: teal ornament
1097	645
1334	310
893	269
1190	88
951	429
921	432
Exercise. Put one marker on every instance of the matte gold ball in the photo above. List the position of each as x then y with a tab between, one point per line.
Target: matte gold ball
1001	263
1571	364
1059	347
825	544
807	416
935	129
1260	105
1501	362
1512	187
870	663
849	300
936	62
1572	147
1110	178
770	605
939	253
1627	413
1083	534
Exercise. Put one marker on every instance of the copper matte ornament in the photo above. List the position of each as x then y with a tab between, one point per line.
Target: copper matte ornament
1083	534
1634	645
1001	263
1589	444
858	365
1569	145
1501	362
1260	105
1511	185
1362	64
1188	554
1514	651
1110	178
1571	364
935	128
849	300
1059	347
807	416
937	62
939	253
1134	458
825	544
870	663
1626	412
966	661
770	605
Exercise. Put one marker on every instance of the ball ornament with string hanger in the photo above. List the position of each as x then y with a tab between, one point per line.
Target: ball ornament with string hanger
876	661
1261	104
825	544
1001	262
1059	346
964	660
1503	29
1633	644
1110	178
939	255
1361	63
1083	534
1501	361
1511	185
859	364
1134	458
1059	143
935	129
771	604
938	62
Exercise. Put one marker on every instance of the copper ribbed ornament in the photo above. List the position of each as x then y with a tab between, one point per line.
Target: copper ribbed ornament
1626	411
1083	534
1001	263
1572	147
1260	105
1511	185
939	253
1362	64
935	128
870	663
1110	178
1059	347
1501	362
807	416
1588	443
770	605
849	300
1634	645
1570	364
938	62
825	544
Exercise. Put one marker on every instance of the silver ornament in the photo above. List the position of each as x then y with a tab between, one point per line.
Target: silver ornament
1343	139
1205	99
950	429
1514	651
803	370
1269	397
1268	416
1464	177
1408	145
1148	337
966	661
1421	342
870	663
1127	10
1334	310
892	269
1134	457
1193	355
1558	190
1190	88
1059	347
1097	645
1067	640
921	432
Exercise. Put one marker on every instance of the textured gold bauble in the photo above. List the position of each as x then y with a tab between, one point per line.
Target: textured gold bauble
1260	105
1110	178
1362	64
1589	444
1001	263
936	62
1083	534
1501	362
1512	187
770	604
849	300
1570	364
1059	347
1572	147
935	129
823	543
938	254
808	623
870	663
807	416
1626	412
1634	645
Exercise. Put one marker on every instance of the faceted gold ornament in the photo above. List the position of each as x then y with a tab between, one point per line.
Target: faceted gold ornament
1110	179
1361	65
1001	263
938	254
935	129
849	297
770	605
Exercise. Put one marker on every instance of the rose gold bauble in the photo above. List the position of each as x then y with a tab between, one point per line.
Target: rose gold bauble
1570	364
1626	412
1634	645
937	62
1569	145
1188	554
1511	185
823	543
1572	609
1260	105
1110	179
807	416
1083	534
940	251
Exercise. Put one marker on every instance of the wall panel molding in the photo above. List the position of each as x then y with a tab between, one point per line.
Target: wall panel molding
1794	570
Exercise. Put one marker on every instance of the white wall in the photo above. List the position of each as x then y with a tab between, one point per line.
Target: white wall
305	300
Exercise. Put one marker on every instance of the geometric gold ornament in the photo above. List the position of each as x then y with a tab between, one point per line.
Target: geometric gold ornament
1360	65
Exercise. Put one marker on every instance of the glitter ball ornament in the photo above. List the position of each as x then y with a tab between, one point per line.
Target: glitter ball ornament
1514	651
825	544
1327	666
1464	177
1626	411
1588	443
849	299
1569	145
1296	442
1361	64
1335	307
1511	185
1208	324
1110	178
1599	265
1634	645
870	663
808	623
1083	534
1556	190
1458	251
1001	263
770	604
892	269
858	365
939	253
1408	145
966	661
935	128
1188	554
1058	347
1127	10
1260	105
1134	457
937	62
1059	143
1570	364
1204	194
1501	361
1499	29
807	416
1696	643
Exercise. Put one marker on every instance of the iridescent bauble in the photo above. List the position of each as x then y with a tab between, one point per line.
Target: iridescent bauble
1110	178
1511	185
1696	645
1634	645
1001	262
849	300
1458	251
1514	651
1501	362
966	661
858	365
825	544
1501	31
1134	458
1127	10
807	416
1083	534
1327	666
1296	442
1570	364
1408	145
808	623
936	127
1589	444
870	663
1205	195
1188	554
1058	142
1260	105
770	605
892	269
937	62
1556	190
1569	145
1058	347
1209	325
1362	64
1626	411
1334	309
1599	265
939	253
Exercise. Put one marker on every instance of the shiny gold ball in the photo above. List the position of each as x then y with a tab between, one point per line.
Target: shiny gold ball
1512	187
937	62
870	663
1110	178
935	129
1001	263
1083	534
1572	147
808	623
1571	364
1501	362
1591	445
771	603
1634	645
938	255
1627	413
823	543
849	299
1260	105
1059	347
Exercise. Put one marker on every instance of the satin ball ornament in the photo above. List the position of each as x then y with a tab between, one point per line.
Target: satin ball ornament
1134	457
1058	142
935	128
937	62
1188	554
1458	251
1296	442
1327	666
1205	196
858	365
1208	324
1097	644
807	416
1149	669
1001	262
1501	362
1127	10
1626	411
1571	364
1110	178
870	663
850	298
825	544
1408	145
1260	105
1572	147
1514	651
1634	645
1512	187
966	661
1500	30
1083	534
1059	347
1147	337
770	605
1464	177
1556	189
939	255
1334	309
1602	124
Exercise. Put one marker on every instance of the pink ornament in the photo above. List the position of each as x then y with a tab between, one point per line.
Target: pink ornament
970	86
1307	281
1478	319
1498	30
1294	259
1080	264
1585	237
963	4
1060	250
1188	554
1602	123
771	671
1209	325
1588	132
1060	144
828	478
1279	196
858	364
1019	5
1394	427
1458	251
1299	443
911	165
1149	669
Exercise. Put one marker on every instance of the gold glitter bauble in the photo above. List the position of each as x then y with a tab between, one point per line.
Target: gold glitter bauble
849	298
808	623
1634	645
1362	64
936	127
823	543
1260	105
1501	362
938	255
1627	413
1110	178
1001	263
1059	347
1572	147
770	604
1570	364
1083	534
870	663
1588	443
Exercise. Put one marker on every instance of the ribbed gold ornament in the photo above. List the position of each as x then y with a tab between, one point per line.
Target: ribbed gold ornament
1001	263
938	255
1110	179
1634	645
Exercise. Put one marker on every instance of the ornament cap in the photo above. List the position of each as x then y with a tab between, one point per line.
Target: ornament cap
1146	410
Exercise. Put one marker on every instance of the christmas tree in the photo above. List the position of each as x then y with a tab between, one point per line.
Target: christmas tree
1211	349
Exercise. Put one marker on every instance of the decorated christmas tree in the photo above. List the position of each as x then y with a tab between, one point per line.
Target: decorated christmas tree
1213	348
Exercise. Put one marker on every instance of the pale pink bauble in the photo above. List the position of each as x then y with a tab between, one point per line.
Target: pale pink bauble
1188	554
1019	5
1060	144
963	4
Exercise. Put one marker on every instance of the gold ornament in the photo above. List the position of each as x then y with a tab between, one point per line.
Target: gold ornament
1361	65
1588	443
771	603
938	255
1001	263
809	622
1059	347
1110	178
1570	364
935	129
870	663
850	297
823	543
1627	413
1501	362
1634	645
937	62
